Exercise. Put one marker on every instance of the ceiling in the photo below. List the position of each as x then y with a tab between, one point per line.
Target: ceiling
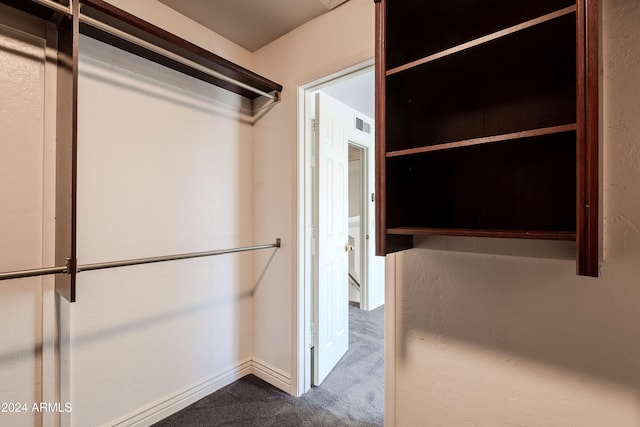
252	23
357	92
255	23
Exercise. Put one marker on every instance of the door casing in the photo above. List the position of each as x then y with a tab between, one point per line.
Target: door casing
303	341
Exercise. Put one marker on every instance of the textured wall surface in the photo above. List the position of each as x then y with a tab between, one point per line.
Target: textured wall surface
21	222
161	171
501	333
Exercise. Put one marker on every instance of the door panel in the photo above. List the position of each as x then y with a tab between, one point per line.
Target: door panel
331	290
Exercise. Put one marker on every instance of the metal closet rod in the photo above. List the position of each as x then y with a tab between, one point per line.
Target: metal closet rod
156	49
32	273
137	261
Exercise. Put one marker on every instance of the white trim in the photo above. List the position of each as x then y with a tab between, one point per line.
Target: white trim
302	313
355	141
174	402
302	344
274	376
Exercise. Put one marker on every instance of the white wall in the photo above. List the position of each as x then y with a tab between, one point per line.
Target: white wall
164	168
491	334
332	42
26	217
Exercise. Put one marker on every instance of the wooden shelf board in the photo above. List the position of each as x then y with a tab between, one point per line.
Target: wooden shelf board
484	39
485	140
128	23
509	234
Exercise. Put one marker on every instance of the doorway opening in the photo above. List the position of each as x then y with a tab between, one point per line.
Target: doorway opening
357	190
363	282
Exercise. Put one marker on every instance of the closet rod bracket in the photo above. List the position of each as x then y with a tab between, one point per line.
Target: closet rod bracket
71	265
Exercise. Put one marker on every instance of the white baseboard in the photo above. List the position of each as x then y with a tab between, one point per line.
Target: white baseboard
170	405
183	398
272	375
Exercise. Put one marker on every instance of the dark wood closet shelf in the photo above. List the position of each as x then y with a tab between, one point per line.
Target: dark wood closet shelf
468	232
492	89
130	24
485	140
127	23
484	39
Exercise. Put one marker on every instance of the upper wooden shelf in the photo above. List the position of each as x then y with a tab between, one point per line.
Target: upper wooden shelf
413	34
482	40
522	83
111	25
143	30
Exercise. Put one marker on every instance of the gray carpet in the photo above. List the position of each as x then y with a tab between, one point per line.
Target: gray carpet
351	396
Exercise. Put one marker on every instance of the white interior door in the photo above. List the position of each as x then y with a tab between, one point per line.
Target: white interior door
331	302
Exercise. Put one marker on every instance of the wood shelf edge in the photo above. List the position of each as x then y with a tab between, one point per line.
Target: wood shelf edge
466	232
484	39
588	163
148	32
485	140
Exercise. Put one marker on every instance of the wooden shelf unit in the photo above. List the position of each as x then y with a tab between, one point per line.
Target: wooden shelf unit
486	122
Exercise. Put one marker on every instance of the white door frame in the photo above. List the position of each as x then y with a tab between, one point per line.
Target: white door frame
305	196
364	219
